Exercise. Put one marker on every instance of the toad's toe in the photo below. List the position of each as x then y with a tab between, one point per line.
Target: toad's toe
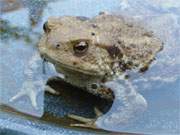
86	122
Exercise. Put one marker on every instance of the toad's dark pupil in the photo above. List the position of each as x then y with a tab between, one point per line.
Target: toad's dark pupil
81	47
58	45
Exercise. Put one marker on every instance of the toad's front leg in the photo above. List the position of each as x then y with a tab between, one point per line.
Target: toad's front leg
35	80
86	122
29	89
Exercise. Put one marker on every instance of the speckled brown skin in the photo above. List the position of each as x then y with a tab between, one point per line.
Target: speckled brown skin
90	52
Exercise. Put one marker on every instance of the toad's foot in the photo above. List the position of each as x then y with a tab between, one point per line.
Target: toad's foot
88	122
51	90
30	91
31	94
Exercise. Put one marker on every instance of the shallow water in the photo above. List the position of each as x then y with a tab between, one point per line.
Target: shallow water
160	85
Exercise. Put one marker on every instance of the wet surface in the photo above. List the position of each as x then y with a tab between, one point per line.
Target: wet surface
71	101
20	28
12	132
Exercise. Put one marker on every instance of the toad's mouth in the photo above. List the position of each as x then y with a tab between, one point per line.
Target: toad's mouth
64	68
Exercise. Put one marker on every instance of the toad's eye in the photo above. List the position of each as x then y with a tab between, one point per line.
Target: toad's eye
80	48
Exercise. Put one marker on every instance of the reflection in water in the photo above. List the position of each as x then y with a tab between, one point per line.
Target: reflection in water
35	8
10	5
8	31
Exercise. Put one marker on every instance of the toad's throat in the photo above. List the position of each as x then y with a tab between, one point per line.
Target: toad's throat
64	68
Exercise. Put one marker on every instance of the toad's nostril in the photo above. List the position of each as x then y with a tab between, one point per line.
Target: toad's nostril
93	34
75	63
57	45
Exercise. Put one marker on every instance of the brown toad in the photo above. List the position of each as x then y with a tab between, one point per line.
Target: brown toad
93	52
97	50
